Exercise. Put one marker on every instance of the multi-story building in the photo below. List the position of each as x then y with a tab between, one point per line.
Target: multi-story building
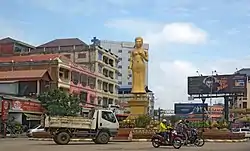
100	61
244	102
9	46
65	75
122	50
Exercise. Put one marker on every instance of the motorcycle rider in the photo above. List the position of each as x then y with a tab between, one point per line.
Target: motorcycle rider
182	127
165	129
186	130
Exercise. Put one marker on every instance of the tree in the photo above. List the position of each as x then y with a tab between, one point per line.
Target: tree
58	103
142	121
173	119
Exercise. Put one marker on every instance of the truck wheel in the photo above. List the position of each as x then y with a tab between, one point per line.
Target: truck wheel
102	138
55	140
62	138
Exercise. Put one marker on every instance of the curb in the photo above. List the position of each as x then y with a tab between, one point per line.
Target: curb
141	140
206	140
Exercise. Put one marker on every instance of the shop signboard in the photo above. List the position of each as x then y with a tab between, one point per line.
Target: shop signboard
27	106
5	109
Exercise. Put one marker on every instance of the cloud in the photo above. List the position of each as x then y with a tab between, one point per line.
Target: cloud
172	87
160	33
185	33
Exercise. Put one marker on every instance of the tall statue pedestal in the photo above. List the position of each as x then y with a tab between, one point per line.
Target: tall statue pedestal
138	106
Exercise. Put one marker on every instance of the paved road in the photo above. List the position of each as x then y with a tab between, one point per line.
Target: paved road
26	145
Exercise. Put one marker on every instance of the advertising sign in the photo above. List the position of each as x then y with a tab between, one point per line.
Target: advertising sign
5	109
189	108
220	84
29	106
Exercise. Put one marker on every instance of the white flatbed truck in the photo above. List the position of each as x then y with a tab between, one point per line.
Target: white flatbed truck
100	126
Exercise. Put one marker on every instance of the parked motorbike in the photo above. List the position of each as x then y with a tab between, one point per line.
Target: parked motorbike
174	140
194	138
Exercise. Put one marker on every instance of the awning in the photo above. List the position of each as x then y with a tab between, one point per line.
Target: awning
32	117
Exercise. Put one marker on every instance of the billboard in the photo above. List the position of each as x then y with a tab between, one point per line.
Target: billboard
219	84
189	108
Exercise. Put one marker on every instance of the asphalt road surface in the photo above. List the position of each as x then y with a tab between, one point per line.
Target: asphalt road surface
27	145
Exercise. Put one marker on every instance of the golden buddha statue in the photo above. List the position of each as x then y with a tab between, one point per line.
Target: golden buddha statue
138	58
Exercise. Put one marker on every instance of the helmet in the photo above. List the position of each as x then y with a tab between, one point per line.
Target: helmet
164	120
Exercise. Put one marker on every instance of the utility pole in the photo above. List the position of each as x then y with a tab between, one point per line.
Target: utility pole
159	114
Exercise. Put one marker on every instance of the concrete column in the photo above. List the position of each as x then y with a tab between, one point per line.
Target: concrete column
38	87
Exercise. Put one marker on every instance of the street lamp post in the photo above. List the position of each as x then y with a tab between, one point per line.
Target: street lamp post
203	107
211	86
203	114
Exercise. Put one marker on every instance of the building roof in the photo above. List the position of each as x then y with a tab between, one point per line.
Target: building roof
23	74
37	57
11	40
63	42
244	71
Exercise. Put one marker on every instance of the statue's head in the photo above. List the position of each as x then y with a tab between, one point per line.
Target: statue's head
138	42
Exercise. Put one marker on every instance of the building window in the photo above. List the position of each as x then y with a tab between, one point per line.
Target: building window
68	56
244	105
119	66
129	83
75	77
83	97
91	82
63	73
99	100
99	68
119	59
99	56
105	102
119	74
120	82
120	51
110	101
129	51
82	55
84	80
92	99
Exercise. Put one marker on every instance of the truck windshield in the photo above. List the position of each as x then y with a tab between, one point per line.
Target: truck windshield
109	116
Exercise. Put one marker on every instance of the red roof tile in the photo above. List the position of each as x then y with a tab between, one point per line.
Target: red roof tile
39	57
22	74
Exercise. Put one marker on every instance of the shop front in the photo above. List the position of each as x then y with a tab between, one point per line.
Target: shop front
25	112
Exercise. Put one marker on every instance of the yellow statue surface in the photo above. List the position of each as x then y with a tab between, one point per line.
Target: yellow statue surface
138	59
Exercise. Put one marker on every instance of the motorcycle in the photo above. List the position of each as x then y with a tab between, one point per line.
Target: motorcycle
194	138
174	140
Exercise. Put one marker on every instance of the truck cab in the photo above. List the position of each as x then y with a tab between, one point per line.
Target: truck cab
104	119
100	125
